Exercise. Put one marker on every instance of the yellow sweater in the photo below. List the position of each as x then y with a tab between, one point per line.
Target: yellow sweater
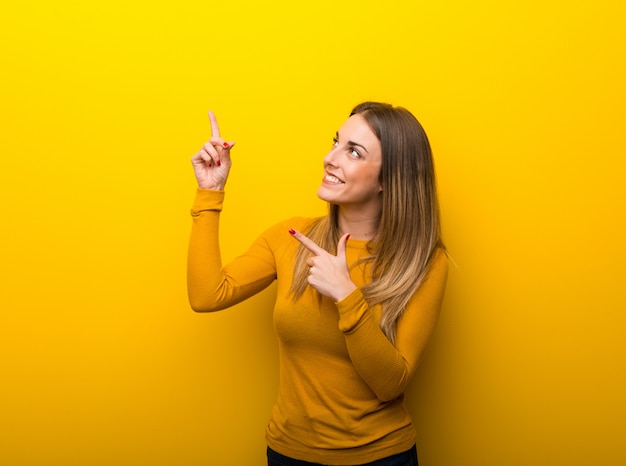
341	390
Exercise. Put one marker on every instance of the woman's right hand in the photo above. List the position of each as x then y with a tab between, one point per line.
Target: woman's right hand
212	163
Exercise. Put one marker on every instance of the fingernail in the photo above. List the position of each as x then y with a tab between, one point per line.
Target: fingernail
225	144
219	164
348	237
292	231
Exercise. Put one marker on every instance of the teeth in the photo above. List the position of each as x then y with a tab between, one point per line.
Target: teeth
332	179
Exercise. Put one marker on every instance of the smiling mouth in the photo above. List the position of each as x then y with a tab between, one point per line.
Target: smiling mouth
332	179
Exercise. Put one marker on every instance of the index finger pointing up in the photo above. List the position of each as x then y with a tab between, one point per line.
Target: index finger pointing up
215	128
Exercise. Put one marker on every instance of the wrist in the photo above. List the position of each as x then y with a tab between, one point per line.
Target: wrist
344	292
215	187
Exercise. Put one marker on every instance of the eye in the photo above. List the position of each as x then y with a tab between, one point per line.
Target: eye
335	142
355	153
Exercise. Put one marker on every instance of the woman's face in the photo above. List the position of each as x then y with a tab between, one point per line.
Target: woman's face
352	167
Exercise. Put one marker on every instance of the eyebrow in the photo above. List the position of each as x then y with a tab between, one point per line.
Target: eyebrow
352	143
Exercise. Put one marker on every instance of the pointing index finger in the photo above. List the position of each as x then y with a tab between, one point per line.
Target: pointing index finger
306	242
215	128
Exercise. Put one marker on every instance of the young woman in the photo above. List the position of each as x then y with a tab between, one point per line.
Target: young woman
358	291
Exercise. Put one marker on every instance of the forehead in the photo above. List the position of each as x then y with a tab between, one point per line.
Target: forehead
357	130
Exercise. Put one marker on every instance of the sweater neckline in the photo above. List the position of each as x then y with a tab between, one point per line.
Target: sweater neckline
357	243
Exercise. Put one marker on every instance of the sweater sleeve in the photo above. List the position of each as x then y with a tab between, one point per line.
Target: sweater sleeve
211	286
386	368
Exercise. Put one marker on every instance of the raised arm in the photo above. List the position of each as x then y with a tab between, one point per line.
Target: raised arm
211	286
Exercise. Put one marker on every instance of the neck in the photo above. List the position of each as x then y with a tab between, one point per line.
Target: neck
361	225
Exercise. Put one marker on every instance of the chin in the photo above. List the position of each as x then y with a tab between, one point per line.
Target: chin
324	195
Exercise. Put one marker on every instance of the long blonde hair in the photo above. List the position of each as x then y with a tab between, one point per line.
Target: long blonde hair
409	226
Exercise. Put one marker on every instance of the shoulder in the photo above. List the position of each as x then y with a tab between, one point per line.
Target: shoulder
437	273
439	258
439	262
278	239
280	230
297	223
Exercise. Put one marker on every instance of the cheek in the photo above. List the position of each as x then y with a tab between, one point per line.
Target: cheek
375	177
372	182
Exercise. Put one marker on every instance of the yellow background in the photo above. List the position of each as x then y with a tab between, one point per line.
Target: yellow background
103	103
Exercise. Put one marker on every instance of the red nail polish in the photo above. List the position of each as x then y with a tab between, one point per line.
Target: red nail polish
347	237
292	231
219	164
225	144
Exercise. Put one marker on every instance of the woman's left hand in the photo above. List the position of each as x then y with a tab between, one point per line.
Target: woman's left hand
328	274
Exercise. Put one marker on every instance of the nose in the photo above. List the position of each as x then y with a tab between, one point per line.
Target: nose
331	157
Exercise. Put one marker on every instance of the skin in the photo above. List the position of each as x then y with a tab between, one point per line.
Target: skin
212	163
351	170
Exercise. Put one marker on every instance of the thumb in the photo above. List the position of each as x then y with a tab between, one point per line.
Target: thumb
341	246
